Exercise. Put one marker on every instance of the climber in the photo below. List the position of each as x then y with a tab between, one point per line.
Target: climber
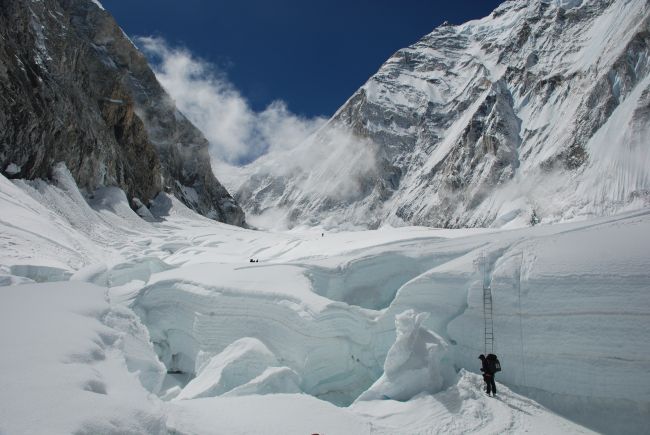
489	370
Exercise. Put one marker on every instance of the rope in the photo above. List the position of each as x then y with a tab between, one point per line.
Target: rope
521	323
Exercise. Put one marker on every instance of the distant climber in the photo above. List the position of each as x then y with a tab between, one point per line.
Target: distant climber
490	366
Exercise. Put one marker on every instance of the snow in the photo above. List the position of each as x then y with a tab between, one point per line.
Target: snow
12	169
114	100
464	408
273	380
414	363
567	76
245	361
63	364
98	4
118	317
601	45
565	4
164	325
269	414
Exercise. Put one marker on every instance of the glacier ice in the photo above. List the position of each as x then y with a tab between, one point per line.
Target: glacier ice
238	364
416	363
273	380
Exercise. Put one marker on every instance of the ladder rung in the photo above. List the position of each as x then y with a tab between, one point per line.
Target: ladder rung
488	303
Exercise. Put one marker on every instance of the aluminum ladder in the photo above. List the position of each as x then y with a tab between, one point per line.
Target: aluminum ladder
487	311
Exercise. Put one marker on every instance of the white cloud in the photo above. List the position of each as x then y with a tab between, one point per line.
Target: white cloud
311	168
205	96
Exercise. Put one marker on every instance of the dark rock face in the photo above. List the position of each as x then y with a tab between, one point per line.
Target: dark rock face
74	89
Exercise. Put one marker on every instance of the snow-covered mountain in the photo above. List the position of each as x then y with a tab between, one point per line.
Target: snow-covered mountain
539	111
74	89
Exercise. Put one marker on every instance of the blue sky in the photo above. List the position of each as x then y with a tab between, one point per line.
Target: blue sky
310	54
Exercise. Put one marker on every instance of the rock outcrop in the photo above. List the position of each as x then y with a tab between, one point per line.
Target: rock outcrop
74	89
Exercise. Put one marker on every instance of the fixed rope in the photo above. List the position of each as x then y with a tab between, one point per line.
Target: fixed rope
521	324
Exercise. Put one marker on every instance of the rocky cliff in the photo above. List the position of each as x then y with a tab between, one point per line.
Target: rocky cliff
74	89
538	112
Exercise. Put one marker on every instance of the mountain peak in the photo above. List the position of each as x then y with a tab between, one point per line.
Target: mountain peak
490	122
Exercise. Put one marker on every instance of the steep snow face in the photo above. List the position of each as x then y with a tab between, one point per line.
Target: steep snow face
538	111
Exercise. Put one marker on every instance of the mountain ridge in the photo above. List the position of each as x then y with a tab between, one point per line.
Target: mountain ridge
493	122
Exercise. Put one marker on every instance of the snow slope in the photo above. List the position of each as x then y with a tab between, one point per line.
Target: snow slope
313	323
71	362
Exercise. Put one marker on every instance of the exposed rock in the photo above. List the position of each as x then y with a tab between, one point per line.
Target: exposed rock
74	89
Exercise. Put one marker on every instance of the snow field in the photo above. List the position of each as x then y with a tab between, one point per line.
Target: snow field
463	408
71	363
243	338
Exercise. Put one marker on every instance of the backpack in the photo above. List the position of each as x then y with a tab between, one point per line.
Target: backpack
493	363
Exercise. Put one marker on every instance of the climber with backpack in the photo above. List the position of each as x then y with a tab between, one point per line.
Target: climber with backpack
490	366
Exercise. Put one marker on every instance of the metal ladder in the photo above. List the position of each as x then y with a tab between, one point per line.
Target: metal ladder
487	311
487	315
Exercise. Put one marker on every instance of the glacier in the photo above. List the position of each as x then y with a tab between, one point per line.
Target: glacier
172	313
